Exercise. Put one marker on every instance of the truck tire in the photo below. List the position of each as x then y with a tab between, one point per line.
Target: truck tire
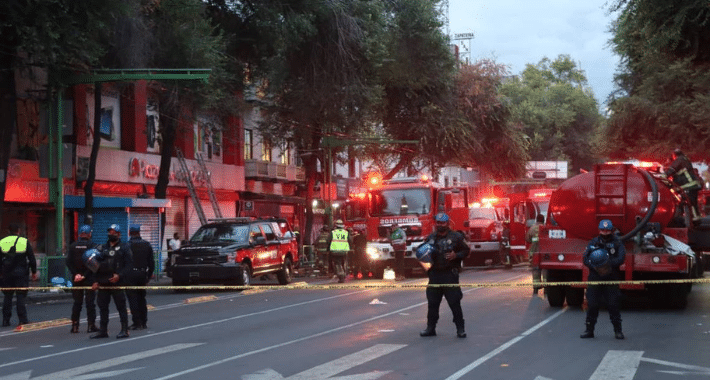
285	274
555	295
244	278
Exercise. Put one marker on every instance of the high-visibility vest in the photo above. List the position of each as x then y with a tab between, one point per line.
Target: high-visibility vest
7	243
340	240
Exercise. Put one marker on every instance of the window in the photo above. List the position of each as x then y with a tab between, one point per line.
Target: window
208	141
266	150
270	234
248	144
285	155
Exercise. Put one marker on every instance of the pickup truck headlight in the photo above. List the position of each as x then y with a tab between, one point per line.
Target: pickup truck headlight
373	253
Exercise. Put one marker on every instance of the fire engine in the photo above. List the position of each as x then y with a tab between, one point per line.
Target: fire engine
652	217
410	202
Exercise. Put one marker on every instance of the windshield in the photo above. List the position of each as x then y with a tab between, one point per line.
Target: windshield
482	213
401	202
221	233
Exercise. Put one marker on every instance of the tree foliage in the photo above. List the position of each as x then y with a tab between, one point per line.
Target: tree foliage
557	110
663	84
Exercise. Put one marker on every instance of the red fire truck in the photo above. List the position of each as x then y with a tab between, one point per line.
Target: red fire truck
652	217
410	202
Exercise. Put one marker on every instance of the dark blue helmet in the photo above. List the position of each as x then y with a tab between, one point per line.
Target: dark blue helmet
423	252
114	227
85	229
605	225
599	257
441	217
91	258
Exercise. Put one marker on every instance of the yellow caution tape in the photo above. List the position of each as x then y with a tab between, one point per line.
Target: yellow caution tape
383	285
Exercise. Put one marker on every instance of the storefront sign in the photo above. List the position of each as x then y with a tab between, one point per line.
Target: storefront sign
139	168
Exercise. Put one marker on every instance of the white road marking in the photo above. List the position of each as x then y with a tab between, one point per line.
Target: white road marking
104	375
332	368
697	370
18	376
542	378
460	373
620	365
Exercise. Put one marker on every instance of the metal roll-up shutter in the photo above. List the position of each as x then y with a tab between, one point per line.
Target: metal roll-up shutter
105	217
228	209
149	219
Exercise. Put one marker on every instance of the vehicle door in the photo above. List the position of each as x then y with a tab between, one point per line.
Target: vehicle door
260	255
271	255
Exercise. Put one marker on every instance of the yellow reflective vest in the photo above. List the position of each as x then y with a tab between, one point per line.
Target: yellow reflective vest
340	240
7	243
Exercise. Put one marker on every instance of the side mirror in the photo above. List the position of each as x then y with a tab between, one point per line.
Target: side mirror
260	240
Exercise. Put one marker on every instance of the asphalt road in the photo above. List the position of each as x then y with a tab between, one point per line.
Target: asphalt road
366	333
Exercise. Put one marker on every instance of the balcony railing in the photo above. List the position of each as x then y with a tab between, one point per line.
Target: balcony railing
271	171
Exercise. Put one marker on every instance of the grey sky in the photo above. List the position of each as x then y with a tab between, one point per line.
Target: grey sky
518	32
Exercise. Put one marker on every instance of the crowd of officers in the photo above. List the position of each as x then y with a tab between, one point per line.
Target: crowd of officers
120	264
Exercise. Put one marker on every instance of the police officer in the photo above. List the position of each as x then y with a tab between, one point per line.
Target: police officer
398	239
339	243
609	271
18	260
81	277
683	174
533	238
115	267
143	268
449	250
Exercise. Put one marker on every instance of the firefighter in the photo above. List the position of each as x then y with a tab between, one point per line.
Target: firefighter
604	268
322	249
82	276
449	249
18	259
533	237
143	268
683	174
398	239
113	271
339	243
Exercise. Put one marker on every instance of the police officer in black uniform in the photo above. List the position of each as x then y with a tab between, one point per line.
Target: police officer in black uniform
608	272
81	277
449	250
114	269
143	268
18	259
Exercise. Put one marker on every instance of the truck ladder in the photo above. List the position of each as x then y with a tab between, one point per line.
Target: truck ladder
190	186
610	186
210	189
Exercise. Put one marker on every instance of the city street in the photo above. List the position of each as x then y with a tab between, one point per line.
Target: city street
359	333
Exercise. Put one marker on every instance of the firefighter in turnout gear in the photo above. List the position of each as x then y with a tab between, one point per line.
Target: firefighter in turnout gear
603	256
449	249
339	243
114	269
682	173
18	259
322	250
82	276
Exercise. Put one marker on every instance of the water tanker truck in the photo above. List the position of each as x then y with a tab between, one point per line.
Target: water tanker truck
652	217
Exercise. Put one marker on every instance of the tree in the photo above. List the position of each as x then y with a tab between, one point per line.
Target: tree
557	110
53	36
662	100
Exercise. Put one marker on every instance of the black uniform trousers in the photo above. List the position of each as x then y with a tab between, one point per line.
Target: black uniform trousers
82	296
612	294
103	298
136	298
11	281
453	296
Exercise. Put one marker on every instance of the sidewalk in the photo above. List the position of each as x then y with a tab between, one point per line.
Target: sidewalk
65	293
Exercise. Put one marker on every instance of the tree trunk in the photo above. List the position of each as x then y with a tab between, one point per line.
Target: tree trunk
89	186
7	124
169	115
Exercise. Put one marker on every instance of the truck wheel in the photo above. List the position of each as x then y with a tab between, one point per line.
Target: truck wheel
574	296
285	274
244	278
555	295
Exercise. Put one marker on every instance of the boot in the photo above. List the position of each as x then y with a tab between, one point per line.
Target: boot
617	331
92	328
429	331
100	334
74	327
460	332
5	322
589	332
124	331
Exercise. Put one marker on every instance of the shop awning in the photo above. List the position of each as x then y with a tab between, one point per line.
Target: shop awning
77	201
